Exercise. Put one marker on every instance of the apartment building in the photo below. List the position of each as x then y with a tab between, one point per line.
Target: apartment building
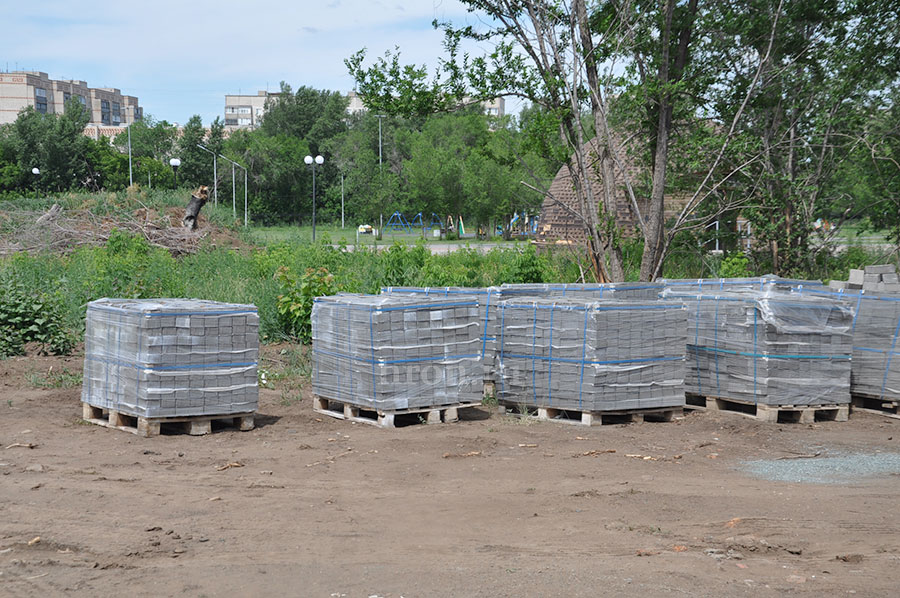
107	106
246	111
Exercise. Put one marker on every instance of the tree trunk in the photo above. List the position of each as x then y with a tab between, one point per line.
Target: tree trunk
192	212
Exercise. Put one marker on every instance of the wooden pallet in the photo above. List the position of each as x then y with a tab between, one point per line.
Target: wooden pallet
153	426
694	401
591	418
388	418
797	414
876	405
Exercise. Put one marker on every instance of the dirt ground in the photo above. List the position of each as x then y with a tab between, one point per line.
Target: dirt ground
489	506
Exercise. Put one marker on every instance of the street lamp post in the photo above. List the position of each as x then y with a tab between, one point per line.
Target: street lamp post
380	117
319	160
175	163
342	200
215	173
130	176
233	192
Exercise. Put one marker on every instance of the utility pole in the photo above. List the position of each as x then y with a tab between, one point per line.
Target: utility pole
380	170
130	178
342	200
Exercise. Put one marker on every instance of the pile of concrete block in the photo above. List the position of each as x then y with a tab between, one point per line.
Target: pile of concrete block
171	357
395	352
590	355
487	298
876	353
769	347
882	278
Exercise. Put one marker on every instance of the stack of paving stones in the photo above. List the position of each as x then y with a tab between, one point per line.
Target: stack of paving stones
768	346
487	298
881	278
394	352
171	357
592	356
876	326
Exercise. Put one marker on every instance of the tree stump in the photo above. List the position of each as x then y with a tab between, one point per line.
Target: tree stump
192	212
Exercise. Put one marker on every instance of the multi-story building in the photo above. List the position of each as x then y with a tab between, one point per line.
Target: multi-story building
246	111
106	106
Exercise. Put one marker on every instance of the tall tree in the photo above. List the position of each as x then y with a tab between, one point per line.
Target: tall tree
196	164
828	61
565	56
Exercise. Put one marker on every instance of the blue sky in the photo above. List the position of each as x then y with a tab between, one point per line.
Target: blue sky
181	58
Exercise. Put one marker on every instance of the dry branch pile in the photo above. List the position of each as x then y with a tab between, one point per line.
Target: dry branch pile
61	231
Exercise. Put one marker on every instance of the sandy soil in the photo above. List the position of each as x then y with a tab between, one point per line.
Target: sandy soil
490	506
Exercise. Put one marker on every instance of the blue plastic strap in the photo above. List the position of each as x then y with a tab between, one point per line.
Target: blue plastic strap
487	310
500	352
550	365
856	312
716	346
372	345
534	354
774	355
583	356
754	355
887	365
697	344
118	350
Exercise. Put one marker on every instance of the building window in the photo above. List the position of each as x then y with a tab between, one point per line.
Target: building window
82	100
116	113
243	121
104	112
231	122
244	110
230	110
40	100
66	97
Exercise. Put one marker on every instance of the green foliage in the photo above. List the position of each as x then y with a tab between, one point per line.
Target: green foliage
734	266
296	301
128	266
401	264
26	317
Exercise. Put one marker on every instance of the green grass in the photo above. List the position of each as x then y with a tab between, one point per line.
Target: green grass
334	234
61	378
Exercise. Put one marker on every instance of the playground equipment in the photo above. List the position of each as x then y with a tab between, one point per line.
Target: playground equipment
417	221
398	223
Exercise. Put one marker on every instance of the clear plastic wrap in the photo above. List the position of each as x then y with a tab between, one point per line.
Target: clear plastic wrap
394	352
171	357
487	298
767	346
595	292
714	285
591	355
876	353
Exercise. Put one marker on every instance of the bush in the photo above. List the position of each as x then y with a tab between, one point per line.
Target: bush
734	266
296	302
27	317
